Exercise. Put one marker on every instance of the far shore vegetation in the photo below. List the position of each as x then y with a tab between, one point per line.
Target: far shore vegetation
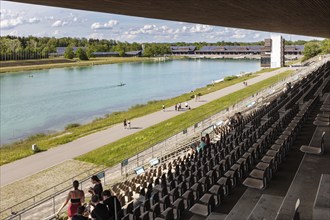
114	153
28	65
21	149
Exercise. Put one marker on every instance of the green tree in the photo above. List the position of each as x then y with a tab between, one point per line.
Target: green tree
311	49
68	53
89	51
81	54
325	46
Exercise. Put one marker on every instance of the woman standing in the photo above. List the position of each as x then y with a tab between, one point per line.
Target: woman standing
97	189
76	198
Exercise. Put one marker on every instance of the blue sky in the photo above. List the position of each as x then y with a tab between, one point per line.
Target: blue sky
24	19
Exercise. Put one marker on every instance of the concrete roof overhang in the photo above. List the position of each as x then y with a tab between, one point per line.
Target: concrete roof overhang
301	17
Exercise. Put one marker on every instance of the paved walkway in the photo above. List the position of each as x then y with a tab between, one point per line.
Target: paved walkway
33	164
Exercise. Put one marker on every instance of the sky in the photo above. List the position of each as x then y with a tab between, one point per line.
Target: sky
42	21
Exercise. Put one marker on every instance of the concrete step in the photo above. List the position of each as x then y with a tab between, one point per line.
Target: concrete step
216	216
266	208
244	205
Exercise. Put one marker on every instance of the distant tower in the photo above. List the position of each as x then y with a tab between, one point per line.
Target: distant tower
273	52
277	54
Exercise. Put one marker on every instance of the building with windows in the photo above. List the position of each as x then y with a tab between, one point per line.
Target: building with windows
183	50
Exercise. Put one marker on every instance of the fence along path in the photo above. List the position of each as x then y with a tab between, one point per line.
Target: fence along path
50	204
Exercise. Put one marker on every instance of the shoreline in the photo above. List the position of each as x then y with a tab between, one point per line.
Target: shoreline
53	63
20	149
72	63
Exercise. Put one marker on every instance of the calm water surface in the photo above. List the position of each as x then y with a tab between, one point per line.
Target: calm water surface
54	98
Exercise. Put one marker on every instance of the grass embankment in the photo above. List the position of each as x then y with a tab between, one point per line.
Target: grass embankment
60	63
21	149
115	152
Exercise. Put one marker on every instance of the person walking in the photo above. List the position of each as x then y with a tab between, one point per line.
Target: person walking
129	124
163	108
125	123
176	107
76	198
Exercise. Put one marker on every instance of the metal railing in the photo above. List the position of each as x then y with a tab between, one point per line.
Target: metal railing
143	156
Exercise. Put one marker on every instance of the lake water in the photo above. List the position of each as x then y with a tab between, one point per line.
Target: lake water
54	98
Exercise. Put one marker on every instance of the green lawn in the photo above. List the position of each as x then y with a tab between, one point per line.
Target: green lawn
21	149
115	152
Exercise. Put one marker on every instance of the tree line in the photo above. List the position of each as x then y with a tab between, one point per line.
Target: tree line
21	48
314	48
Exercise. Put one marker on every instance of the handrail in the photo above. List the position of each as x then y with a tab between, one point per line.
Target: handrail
208	115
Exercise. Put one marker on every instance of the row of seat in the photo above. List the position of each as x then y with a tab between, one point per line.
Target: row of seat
201	181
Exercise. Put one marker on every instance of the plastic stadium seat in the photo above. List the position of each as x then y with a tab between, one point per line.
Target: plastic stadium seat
205	207
255	183
312	149
321	123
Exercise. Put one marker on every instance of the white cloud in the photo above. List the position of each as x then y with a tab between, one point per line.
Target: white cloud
11	19
109	25
201	28
13	33
59	23
238	36
96	35
56	32
256	36
34	20
11	23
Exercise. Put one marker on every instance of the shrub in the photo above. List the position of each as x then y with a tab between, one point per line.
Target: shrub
228	78
36	136
73	125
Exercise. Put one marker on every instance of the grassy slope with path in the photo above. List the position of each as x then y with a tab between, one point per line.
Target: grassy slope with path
21	149
115	152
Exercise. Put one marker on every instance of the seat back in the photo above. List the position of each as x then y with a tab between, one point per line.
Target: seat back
190	199
322	143
180	208
146	205
136	213
129	208
296	210
156	210
168	214
166	201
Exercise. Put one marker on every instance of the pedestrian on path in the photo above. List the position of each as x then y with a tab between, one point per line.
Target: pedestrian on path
125	123
129	124
176	107
186	104
163	108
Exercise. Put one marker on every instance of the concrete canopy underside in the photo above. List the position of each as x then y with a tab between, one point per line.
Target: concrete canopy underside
301	17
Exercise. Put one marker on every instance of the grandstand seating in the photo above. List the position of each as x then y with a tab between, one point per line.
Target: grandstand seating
249	153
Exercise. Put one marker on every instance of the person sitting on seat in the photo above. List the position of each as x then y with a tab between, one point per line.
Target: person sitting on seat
201	145
207	140
81	214
100	211
112	204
